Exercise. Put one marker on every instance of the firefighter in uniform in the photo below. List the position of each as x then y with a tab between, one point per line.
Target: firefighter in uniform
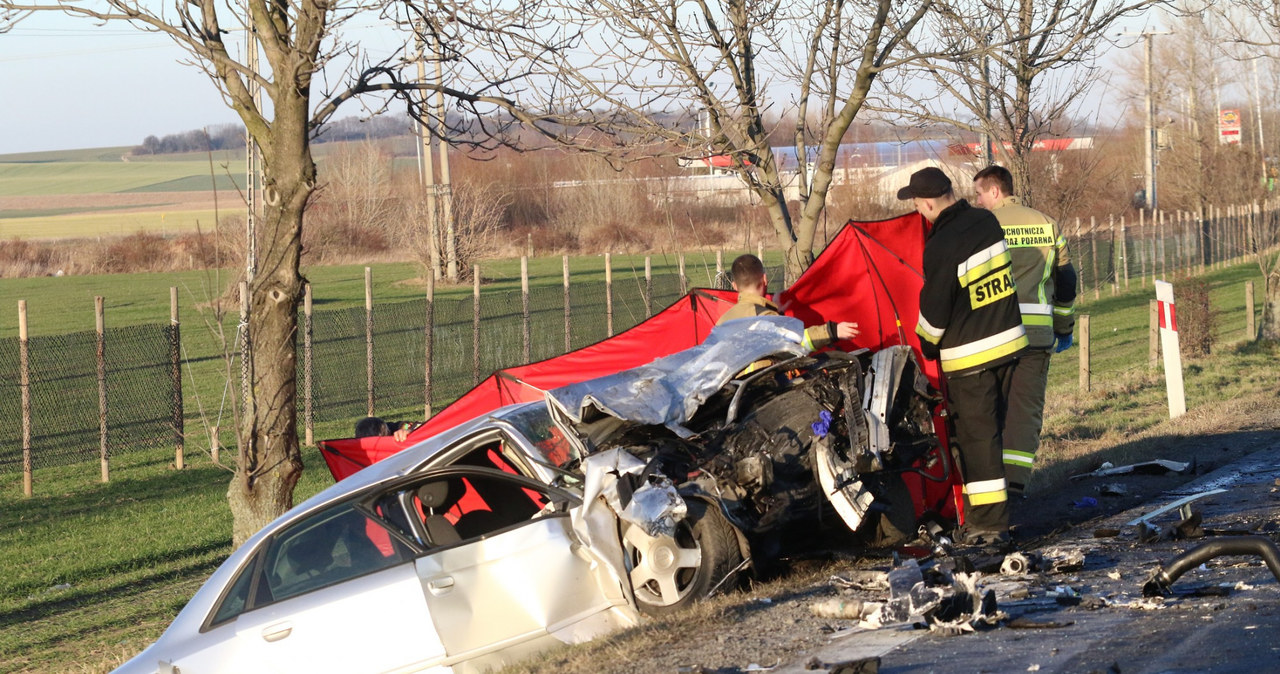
750	281
1046	283
969	322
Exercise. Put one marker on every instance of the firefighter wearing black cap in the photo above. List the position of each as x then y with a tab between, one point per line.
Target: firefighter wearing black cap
1046	282
970	322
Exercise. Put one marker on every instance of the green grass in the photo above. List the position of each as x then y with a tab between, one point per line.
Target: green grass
58	178
91	225
95	571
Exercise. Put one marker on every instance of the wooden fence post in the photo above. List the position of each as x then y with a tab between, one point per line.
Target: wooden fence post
1086	380
1124	252
760	250
1153	334
175	374
99	319
368	336
608	292
568	314
648	286
1249	327
308	392
719	266
24	383
475	325
1093	242
429	343
524	305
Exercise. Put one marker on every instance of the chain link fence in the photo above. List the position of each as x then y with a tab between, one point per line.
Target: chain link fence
470	338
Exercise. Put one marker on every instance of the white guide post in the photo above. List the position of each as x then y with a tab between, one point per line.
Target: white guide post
1169	345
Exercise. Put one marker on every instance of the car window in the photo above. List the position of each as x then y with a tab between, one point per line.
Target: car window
327	548
535	423
460	508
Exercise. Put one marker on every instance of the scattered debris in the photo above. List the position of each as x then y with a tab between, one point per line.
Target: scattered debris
1113	489
1106	533
853	609
1176	504
865	581
1154	467
1063	560
862	666
1016	564
1084	502
1161	580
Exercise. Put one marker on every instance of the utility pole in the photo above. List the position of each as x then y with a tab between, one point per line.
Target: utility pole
446	185
988	153
426	167
1150	136
1257	112
253	160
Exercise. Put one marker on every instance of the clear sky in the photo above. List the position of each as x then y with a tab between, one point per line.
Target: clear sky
67	83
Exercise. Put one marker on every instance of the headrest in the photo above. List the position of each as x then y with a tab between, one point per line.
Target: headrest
435	494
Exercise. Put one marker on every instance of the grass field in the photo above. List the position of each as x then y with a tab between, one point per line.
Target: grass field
83	590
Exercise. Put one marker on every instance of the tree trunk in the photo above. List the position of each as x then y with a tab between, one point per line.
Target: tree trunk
1271	306
270	461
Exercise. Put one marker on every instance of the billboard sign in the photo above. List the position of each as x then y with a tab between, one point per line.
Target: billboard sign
1229	127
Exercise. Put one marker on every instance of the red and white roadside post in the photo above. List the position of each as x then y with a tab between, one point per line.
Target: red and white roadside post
1169	346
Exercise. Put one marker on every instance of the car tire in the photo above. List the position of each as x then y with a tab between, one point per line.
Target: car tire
668	573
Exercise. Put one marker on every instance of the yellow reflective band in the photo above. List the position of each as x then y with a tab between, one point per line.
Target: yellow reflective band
1015	458
978	271
1064	311
1029	236
995	287
988	498
987	356
1035	320
927	332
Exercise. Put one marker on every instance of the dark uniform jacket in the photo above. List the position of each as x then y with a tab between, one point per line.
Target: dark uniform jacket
751	304
969	316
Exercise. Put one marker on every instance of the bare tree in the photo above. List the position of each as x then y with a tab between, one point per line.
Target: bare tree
478	209
303	48
1016	73
657	78
1255	27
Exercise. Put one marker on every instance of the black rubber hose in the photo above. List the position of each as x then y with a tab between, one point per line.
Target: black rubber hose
1165	576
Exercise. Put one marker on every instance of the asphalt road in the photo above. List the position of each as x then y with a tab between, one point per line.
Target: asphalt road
1223	616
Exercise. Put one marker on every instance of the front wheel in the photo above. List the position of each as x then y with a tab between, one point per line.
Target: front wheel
670	572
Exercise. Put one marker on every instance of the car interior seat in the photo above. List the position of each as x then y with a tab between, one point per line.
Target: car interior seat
436	496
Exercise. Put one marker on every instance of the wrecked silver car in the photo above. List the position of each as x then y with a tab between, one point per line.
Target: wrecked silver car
555	522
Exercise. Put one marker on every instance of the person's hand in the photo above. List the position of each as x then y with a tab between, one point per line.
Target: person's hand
401	433
847	330
1063	342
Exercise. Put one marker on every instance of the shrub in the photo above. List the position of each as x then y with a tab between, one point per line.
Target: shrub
1194	316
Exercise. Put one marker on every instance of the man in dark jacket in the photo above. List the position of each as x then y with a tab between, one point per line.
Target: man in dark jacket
970	322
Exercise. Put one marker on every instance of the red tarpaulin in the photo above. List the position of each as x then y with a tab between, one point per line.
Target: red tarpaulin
869	273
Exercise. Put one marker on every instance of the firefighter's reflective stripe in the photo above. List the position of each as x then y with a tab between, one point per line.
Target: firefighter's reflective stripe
986	492
1016	458
1037	314
983	262
1065	311
927	332
984	350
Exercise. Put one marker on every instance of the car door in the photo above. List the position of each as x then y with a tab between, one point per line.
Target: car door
505	576
337	592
